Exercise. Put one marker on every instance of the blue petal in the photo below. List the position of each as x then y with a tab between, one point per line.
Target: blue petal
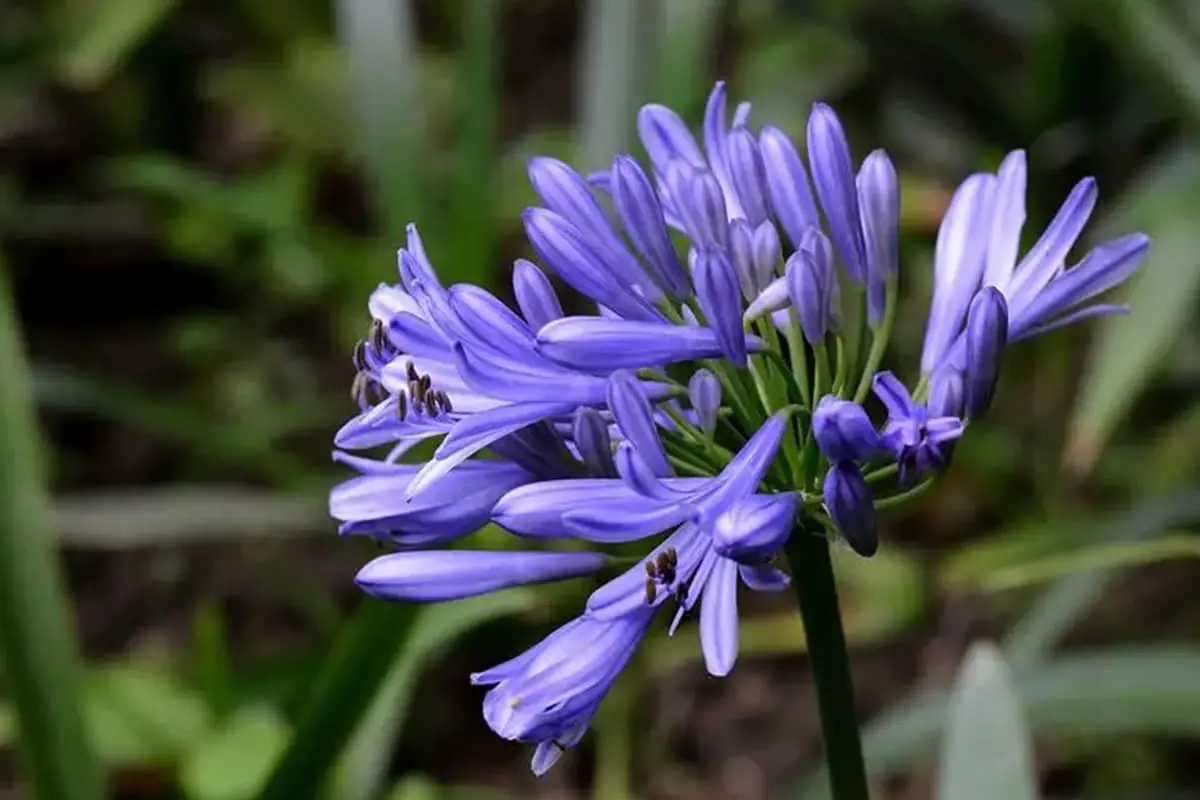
764	578
600	343
719	619
665	136
535	295
491	323
626	593
833	174
843	430
436	575
986	340
631	408
704	392
1045	259
380	425
591	437
720	298
522	381
638	206
699	203
851	507
755	528
787	183
893	394
747	174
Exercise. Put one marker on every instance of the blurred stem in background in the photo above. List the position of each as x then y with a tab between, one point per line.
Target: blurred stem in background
36	635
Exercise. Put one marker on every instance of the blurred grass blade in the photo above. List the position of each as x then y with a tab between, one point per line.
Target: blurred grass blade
380	43
1130	348
234	760
1155	40
40	661
987	753
685	51
475	156
348	683
1057	609
102	36
363	771
618	42
1084	697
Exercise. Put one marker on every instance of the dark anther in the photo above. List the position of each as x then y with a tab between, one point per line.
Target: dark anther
651	590
379	338
426	382
401	405
672	556
358	386
411	372
446	404
431	405
651	570
359	359
417	390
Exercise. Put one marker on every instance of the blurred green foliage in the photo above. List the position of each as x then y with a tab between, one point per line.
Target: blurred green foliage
195	201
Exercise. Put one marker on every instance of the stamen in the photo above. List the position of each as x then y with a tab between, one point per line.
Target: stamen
359	359
651	590
411	373
401	405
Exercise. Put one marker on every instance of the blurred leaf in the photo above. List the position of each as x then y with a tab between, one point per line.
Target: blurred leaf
474	152
104	35
1130	348
141	714
1057	609
235	759
416	787
341	697
972	565
363	769
38	656
617	46
183	514
1091	559
987	753
1153	39
379	41
1084	697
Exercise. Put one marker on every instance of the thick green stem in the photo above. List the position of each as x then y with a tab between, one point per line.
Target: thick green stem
813	581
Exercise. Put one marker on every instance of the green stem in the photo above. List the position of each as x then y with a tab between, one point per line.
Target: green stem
37	649
879	342
816	591
796	354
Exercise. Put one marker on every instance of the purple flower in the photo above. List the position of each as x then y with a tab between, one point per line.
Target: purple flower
754	529
812	287
720	299
833	174
609	343
915	439
549	693
879	201
844	432
851	507
424	576
978	245
704	391
986	337
641	213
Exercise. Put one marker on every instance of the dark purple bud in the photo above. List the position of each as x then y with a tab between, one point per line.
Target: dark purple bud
535	295
755	528
747	174
833	174
844	431
850	505
721	301
641	213
787	183
986	337
704	390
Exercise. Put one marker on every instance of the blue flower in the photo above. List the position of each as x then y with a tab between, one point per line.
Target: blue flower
977	246
915	438
433	575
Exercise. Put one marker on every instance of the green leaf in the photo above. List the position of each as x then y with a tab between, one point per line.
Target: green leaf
1130	348
37	652
235	760
987	753
139	714
1084	697
363	769
104	35
342	694
1056	610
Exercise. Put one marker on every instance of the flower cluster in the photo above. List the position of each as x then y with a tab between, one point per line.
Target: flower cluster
743	299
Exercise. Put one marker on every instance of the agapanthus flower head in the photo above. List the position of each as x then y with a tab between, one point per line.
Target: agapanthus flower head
706	399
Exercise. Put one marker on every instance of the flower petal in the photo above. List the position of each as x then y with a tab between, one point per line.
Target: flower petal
436	575
606	343
719	619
